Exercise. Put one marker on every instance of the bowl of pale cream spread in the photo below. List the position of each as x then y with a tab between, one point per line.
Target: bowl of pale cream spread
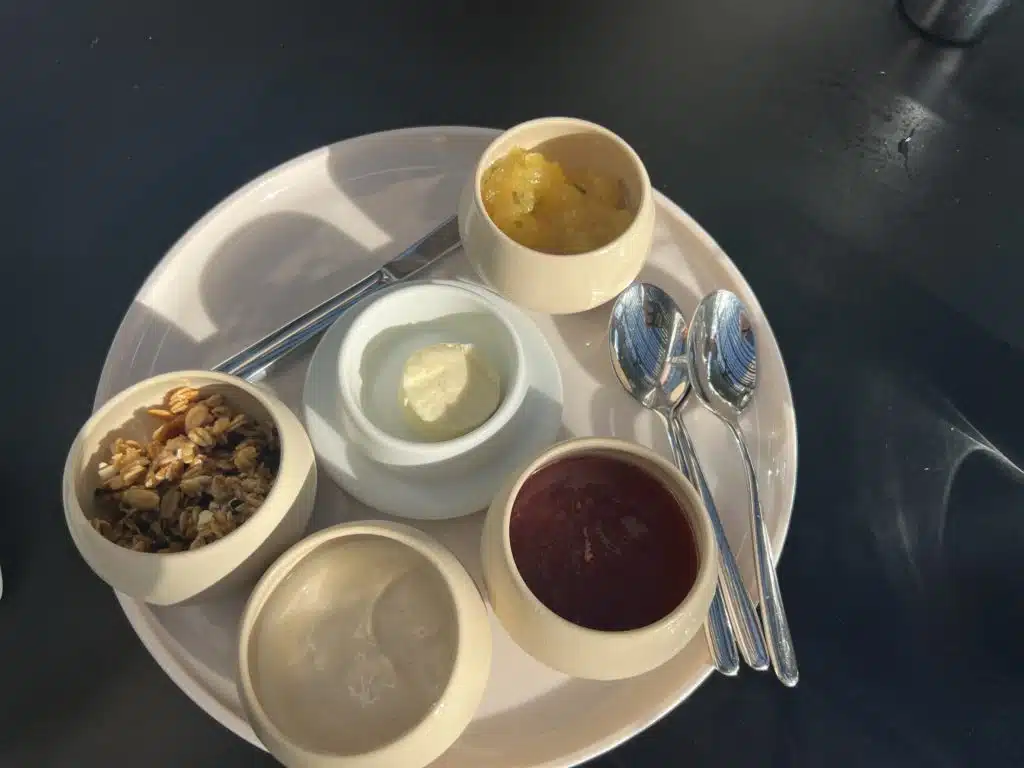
428	372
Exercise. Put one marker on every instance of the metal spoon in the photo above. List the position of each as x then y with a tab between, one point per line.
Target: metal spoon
722	358
647	337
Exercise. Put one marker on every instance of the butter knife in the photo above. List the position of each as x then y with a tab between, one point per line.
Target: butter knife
252	361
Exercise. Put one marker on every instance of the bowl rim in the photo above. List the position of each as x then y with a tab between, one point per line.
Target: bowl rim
513	395
275	497
703	532
485	162
471	622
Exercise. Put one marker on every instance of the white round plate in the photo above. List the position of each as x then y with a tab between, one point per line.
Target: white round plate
308	229
419	493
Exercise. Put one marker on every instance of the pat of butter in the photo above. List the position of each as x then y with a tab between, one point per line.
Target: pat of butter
447	391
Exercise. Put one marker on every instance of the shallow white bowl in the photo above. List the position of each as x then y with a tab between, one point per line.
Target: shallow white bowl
236	560
367	645
393	326
443	490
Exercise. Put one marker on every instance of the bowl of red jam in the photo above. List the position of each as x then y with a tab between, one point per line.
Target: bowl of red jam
599	559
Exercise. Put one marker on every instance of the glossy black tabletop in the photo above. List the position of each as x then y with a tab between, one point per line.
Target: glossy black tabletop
864	180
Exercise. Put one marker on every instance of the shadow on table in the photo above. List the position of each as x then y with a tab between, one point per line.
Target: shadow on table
902	574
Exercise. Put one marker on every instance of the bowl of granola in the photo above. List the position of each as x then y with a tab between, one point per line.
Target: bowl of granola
187	484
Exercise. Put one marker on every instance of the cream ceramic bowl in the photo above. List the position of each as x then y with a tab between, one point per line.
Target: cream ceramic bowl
551	283
567	647
236	560
367	645
394	325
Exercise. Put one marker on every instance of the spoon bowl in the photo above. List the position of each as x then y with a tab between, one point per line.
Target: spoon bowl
724	353
647	335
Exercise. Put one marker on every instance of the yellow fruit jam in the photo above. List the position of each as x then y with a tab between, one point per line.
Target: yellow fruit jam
547	208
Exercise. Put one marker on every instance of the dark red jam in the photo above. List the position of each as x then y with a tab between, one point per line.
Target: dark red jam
602	543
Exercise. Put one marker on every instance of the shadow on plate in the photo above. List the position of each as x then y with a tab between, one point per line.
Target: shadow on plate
423	183
262	275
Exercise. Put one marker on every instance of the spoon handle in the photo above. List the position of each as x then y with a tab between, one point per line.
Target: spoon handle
721	640
741	610
776	625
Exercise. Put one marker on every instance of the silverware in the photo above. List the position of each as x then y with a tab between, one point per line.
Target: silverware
647	337
256	358
722	358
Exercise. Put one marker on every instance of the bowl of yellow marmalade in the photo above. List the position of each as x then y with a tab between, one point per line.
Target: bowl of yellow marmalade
558	215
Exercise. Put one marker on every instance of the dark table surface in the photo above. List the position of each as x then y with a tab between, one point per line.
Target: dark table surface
861	178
